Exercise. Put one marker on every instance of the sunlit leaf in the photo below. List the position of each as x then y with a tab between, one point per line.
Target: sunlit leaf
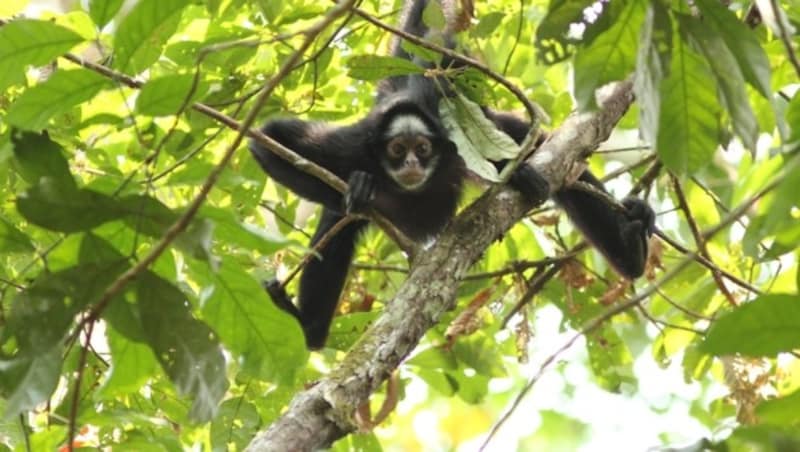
476	137
743	44
689	122
763	327
57	95
269	341
166	95
729	79
371	67
610	57
186	348
102	11
29	42
144	31
29	380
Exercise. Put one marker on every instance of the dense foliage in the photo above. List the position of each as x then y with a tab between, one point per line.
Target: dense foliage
135	228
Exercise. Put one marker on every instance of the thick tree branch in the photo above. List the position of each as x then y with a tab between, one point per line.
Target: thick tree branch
322	414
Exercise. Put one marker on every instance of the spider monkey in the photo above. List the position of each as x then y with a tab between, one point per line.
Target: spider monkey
399	161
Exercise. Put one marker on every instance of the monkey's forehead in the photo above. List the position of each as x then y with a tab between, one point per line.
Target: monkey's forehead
406	124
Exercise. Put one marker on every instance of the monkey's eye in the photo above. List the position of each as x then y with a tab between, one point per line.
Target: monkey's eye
424	149
396	150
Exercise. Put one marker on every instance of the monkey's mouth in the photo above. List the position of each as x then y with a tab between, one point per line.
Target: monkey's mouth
411	179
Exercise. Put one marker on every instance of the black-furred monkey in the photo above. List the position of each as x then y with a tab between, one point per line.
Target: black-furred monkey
400	161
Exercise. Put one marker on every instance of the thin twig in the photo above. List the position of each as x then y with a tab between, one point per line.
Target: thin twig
785	38
76	390
701	244
318	247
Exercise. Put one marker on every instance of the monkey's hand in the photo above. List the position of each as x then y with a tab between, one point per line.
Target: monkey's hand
280	297
528	181
360	192
642	219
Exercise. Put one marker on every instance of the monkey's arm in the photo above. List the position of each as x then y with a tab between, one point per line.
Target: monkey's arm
337	149
621	235
322	280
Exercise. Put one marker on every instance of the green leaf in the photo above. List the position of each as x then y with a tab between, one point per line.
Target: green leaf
473	84
793	119
238	412
30	380
57	95
610	57
728	76
780	411
768	325
38	157
228	229
652	62
433	16
55	207
144	31
166	95
41	314
476	137
25	42
269	341
186	348
371	67
688	126
741	41
552	32
488	24
132	365
102	11
12	240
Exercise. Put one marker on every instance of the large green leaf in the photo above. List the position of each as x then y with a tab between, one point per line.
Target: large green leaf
61	92
553	39
688	127
780	411
371	67
28	381
741	41
728	76
242	414
477	139
610	57
652	63
166	95
42	313
132	364
102	11
269	341
12	240
144	31
765	326
29	42
186	348
37	157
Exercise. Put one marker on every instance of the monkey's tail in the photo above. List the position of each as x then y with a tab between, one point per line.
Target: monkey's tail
457	14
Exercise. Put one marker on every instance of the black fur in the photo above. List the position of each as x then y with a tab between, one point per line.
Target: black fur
354	154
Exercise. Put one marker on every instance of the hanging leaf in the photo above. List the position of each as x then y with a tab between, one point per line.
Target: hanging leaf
370	67
477	138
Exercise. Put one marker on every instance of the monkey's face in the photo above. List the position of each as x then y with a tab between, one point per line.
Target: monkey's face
409	156
409	160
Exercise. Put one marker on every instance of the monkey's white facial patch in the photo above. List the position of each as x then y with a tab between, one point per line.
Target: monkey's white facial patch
407	124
